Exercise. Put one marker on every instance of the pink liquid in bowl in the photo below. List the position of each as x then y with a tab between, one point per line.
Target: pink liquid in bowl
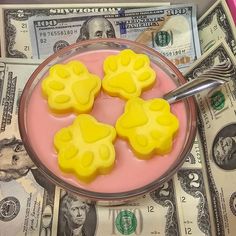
129	172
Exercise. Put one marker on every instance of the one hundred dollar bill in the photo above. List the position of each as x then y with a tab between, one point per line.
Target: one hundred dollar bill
171	30
26	195
217	23
217	129
15	40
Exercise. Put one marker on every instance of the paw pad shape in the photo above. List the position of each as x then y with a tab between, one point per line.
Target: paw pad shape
149	126
85	148
70	88
127	74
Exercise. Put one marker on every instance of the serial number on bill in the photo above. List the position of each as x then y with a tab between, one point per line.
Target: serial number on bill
58	33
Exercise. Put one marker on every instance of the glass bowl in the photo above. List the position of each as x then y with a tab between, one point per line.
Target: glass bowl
131	177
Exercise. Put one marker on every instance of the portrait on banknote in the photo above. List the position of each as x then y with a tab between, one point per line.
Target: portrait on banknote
76	217
224	147
96	27
16	163
14	159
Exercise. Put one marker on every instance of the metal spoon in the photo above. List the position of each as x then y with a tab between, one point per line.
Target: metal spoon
212	78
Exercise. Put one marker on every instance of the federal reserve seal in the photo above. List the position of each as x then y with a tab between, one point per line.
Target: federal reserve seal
232	203
9	208
163	38
217	100
126	222
59	45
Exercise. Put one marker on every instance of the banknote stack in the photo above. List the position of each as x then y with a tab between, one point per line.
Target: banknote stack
201	198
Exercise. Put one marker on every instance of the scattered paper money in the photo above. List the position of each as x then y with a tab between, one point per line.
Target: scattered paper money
217	117
198	200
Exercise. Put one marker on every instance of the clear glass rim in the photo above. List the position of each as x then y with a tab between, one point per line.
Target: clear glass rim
99	196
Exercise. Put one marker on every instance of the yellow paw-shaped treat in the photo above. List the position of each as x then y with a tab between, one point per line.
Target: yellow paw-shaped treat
149	126
70	88
127	74
85	148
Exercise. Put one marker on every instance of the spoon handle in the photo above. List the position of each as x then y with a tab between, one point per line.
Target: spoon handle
190	88
213	77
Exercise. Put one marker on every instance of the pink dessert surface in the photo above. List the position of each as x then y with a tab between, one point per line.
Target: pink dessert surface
129	172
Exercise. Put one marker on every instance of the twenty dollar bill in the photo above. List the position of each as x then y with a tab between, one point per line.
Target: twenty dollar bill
26	196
